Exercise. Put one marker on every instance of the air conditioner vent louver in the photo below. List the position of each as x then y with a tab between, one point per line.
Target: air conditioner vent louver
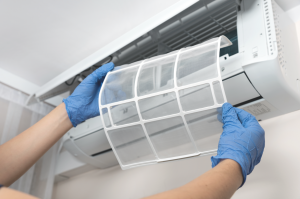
206	22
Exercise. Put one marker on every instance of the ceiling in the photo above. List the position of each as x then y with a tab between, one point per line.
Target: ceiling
41	39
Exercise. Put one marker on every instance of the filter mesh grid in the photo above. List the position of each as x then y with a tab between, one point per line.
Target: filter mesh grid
166	107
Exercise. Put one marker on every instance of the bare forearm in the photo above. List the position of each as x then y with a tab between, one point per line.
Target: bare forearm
21	152
220	182
6	193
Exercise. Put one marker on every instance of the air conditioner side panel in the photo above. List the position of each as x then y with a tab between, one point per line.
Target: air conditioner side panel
268	80
264	65
251	30
288	48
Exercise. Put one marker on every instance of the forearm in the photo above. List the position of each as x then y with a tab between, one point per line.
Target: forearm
218	183
21	152
7	193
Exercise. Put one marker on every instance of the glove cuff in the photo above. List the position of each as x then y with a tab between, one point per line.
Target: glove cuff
216	160
68	111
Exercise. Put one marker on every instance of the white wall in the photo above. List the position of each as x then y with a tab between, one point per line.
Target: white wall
276	177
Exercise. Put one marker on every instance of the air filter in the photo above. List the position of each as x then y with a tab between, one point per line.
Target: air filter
166	107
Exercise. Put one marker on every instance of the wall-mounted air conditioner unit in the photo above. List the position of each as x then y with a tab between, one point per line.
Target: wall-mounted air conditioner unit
260	71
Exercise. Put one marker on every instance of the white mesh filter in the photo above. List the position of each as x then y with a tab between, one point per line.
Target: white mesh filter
166	107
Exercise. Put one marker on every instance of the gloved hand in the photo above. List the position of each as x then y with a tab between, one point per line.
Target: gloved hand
83	103
242	140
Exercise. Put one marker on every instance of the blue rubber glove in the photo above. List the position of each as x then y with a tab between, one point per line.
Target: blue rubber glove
83	103
242	140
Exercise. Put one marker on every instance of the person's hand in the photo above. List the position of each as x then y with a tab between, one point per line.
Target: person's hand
83	103
242	140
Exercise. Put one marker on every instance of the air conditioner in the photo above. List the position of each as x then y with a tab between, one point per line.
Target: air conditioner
260	72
